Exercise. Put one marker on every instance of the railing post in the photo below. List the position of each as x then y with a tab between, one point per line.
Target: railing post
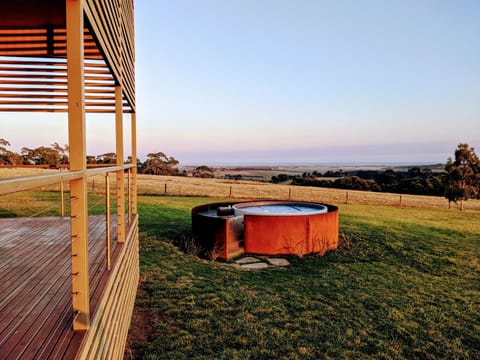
129	196
107	218
120	173
77	143
62	199
133	131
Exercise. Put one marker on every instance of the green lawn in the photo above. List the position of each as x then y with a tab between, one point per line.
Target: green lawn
408	287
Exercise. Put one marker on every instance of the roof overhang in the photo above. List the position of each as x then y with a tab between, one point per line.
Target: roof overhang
33	55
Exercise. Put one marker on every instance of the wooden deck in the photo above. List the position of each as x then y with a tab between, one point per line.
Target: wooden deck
35	285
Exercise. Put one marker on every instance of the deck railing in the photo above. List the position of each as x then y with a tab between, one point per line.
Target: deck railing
22	183
30	182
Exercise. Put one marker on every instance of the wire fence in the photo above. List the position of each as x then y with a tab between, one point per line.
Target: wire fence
187	186
222	188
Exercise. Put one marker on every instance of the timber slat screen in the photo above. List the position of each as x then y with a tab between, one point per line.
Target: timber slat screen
33	66
28	85
113	22
75	57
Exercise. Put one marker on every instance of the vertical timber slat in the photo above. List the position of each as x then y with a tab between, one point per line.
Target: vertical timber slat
108	334
62	199
107	219
120	174
77	143
134	161
129	195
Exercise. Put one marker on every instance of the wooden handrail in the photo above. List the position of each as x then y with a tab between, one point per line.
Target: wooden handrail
108	169
22	183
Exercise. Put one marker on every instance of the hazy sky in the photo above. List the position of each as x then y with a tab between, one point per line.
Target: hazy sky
298	81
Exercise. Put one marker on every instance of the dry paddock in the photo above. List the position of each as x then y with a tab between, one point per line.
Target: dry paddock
173	185
220	188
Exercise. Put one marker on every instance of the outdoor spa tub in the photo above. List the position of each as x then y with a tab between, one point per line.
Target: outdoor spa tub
266	227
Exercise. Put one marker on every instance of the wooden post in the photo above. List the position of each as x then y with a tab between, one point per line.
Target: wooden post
230	191
400	204
78	187
289	193
129	196
120	173
107	218
346	198
62	199
165	188
134	161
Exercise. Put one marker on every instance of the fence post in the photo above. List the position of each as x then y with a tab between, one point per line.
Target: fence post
230	191
289	193
346	197
165	188
400	201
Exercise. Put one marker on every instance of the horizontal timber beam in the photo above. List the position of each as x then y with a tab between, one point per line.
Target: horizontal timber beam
22	183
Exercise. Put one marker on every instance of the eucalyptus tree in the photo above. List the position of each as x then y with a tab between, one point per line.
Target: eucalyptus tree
462	181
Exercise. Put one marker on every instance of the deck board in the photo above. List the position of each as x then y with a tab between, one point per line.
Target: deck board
35	285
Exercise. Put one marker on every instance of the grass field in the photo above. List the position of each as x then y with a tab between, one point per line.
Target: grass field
151	185
407	287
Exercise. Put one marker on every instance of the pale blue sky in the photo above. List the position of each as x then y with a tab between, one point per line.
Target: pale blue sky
222	81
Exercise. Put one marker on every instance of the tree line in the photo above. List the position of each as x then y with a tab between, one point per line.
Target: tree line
459	181
57	156
52	156
415	181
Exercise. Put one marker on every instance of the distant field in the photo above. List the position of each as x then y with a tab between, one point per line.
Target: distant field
246	189
265	173
150	185
4	173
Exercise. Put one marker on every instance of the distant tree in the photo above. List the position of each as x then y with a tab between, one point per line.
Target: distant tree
40	156
107	158
282	178
8	157
356	183
62	153
203	171
91	159
4	158
54	155
463	175
233	177
3	144
160	164
387	178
